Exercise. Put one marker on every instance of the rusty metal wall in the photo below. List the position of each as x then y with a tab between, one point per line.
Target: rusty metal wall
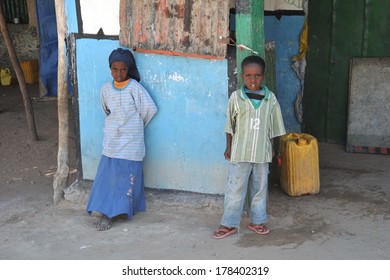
176	26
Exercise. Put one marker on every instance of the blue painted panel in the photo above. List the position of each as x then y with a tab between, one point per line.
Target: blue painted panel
92	72
185	141
71	16
285	32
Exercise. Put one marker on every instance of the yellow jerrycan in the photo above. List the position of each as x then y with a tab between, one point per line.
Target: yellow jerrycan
299	164
5	76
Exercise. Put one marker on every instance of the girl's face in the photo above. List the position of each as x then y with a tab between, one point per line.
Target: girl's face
253	76
119	71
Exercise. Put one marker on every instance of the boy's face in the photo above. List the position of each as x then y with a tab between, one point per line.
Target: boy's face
253	76
119	71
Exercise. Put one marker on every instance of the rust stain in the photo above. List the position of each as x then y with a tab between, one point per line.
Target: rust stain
162	7
122	22
187	15
179	8
162	25
139	30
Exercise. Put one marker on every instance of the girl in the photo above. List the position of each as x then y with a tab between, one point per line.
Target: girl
118	187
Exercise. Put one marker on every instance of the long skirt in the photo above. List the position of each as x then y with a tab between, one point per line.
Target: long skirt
118	188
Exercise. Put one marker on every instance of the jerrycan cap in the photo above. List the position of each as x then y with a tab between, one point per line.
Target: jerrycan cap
301	142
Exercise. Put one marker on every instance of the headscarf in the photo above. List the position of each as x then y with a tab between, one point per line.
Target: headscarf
127	57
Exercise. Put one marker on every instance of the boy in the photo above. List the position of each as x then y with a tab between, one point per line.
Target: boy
253	119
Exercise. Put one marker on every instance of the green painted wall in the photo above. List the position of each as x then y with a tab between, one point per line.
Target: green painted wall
338	31
249	30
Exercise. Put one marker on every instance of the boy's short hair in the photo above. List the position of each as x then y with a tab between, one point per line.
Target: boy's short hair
253	59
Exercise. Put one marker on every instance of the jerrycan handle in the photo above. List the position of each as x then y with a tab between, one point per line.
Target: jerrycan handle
5	72
279	160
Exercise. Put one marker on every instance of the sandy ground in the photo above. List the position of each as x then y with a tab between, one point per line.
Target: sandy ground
348	219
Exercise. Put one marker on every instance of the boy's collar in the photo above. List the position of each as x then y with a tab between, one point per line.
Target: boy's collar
244	96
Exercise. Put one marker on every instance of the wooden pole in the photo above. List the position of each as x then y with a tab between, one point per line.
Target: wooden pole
19	74
249	30
62	174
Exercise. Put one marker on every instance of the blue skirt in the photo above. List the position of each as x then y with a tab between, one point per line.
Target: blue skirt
118	188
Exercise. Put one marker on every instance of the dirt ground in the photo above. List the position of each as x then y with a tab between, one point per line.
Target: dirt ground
348	219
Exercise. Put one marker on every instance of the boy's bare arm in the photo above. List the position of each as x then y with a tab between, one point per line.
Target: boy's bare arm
228	146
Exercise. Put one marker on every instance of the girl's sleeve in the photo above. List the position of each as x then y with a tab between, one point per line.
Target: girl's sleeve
103	104
146	106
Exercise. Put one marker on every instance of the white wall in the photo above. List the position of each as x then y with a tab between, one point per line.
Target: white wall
272	5
98	14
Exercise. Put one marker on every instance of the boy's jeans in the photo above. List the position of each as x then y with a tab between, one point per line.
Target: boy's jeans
243	176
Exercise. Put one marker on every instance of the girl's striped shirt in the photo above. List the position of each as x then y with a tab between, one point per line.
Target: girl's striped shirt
128	111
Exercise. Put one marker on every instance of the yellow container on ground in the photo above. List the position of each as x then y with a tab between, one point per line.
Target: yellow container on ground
299	173
30	71
5	76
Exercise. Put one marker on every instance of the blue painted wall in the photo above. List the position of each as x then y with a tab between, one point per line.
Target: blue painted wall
186	140
285	32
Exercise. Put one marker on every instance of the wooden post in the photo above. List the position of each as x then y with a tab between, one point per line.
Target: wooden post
249	30
20	76
62	174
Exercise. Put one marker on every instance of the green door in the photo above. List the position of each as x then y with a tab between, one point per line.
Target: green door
338	31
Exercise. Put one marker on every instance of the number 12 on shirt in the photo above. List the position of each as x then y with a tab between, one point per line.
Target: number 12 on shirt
255	123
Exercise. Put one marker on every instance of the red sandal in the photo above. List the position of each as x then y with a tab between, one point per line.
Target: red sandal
259	229
223	232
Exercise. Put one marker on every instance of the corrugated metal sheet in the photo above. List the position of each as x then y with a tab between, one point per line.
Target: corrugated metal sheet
338	31
183	27
15	9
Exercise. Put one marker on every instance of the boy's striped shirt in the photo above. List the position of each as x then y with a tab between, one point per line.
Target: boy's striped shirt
253	126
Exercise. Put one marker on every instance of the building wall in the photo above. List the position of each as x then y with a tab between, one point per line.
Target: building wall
25	40
185	141
285	33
